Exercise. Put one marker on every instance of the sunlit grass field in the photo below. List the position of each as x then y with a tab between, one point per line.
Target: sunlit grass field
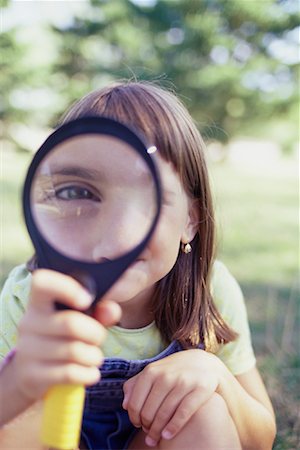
257	216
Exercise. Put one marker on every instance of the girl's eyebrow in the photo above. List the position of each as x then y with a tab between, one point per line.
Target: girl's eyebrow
91	174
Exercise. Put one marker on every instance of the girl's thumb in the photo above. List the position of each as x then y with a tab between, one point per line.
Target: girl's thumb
108	313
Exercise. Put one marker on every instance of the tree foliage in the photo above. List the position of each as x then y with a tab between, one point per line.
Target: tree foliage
233	62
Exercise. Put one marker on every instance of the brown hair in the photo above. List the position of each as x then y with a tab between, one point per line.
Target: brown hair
182	304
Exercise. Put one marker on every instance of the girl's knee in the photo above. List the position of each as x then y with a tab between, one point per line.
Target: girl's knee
215	425
214	410
210	428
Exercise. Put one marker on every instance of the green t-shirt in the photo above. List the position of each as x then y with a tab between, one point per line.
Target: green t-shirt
145	342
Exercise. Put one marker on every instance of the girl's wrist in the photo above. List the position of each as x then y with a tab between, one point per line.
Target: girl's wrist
218	369
222	374
9	388
226	380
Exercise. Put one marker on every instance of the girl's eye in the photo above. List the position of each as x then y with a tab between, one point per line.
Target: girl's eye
75	193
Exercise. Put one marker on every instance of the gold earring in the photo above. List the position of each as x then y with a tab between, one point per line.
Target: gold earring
186	248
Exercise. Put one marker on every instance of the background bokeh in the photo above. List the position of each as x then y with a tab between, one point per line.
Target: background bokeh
235	65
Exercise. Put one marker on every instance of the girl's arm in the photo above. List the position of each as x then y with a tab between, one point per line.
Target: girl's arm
23	432
167	393
13	402
53	347
250	407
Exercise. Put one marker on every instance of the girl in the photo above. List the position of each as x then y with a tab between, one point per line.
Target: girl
179	370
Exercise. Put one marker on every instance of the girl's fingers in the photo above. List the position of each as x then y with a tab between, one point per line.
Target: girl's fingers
107	313
135	396
162	415
64	324
185	410
70	374
174	413
35	382
48	286
60	347
63	350
153	406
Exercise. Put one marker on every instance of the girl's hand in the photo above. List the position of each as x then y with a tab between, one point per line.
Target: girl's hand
58	347
164	396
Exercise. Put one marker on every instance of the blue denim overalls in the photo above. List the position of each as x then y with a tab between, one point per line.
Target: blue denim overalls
105	423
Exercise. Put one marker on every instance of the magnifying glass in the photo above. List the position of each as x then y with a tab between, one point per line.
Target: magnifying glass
91	200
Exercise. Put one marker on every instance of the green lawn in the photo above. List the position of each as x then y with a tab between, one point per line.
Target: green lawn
257	215
15	244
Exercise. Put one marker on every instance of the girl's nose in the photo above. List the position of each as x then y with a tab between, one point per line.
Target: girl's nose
121	235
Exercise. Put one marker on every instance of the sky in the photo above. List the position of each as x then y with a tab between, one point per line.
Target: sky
57	12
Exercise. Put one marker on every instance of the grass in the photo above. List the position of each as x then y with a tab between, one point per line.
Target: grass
15	245
258	240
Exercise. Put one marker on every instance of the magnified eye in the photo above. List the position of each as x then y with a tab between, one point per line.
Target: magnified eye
75	193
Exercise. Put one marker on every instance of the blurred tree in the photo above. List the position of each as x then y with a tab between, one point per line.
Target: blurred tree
233	62
26	100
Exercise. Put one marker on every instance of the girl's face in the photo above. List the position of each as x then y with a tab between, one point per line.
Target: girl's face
177	223
95	205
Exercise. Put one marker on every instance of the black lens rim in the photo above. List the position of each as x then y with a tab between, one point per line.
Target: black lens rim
106	273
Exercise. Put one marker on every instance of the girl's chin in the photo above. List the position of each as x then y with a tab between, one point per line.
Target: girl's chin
131	287
124	290
137	281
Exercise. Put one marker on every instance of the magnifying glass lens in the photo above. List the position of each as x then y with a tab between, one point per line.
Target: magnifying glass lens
93	198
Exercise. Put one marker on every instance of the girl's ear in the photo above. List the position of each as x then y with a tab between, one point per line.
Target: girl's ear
192	223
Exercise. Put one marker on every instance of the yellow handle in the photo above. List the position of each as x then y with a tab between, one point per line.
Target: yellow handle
62	417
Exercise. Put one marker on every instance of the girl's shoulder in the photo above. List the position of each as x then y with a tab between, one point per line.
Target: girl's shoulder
237	355
17	284
227	294
19	272
13	302
220	272
225	289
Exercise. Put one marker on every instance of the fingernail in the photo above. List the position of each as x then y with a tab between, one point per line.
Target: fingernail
166	434
84	298
150	442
